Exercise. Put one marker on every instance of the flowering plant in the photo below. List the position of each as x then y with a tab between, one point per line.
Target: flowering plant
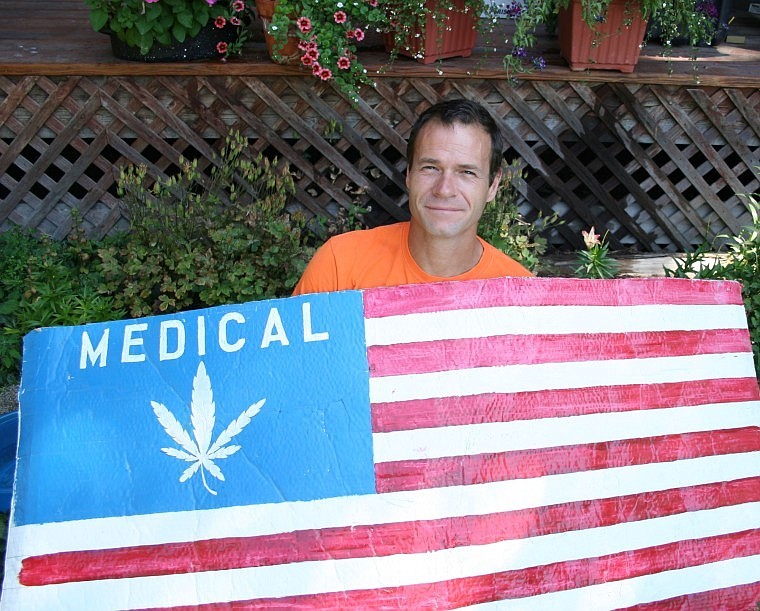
328	32
595	261
144	23
672	16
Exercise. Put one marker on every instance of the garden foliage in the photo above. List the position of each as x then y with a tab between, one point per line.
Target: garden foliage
504	226
200	240
196	240
740	261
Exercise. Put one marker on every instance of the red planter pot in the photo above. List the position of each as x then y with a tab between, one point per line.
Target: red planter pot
456	37
614	44
289	54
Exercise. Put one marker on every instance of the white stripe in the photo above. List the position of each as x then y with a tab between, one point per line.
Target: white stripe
553	376
315	577
528	320
640	590
472	439
425	504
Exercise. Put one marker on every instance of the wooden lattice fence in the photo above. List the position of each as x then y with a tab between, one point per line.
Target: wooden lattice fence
661	166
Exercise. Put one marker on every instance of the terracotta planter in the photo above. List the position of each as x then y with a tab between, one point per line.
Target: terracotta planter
613	44
289	54
456	40
202	46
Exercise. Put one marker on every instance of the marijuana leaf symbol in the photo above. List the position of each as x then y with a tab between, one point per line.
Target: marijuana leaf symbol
200	451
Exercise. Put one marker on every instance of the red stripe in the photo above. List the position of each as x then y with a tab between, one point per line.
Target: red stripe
523	583
494	407
738	598
377	540
523	464
410	299
452	354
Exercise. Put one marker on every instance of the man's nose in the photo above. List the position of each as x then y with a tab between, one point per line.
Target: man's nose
445	186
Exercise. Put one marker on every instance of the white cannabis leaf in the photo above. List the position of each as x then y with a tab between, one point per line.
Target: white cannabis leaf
200	451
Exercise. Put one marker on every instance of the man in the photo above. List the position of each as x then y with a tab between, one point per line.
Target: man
454	159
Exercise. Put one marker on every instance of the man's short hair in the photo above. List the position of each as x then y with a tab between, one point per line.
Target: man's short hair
464	112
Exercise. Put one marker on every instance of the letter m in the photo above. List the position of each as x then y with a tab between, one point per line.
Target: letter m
100	353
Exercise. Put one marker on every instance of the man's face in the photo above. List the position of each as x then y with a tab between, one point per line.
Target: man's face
448	179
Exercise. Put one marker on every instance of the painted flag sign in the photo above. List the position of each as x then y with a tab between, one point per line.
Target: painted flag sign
504	444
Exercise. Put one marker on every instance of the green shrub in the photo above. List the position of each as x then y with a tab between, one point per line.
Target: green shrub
196	241
740	261
43	283
201	240
504	227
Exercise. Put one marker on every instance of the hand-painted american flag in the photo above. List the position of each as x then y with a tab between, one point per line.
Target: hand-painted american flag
504	444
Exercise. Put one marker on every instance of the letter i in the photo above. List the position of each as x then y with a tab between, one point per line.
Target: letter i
201	336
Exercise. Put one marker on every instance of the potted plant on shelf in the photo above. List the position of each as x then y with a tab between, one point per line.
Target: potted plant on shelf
588	30
322	36
430	30
171	30
677	34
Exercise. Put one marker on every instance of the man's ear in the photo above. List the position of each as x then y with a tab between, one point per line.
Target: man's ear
494	188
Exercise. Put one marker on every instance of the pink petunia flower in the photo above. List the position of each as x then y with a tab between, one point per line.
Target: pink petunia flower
358	34
221	47
344	63
340	17
307	60
209	2
325	74
316	69
235	21
220	22
152	1
304	24
238	6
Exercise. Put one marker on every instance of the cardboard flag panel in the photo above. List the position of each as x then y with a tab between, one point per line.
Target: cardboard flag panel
516	443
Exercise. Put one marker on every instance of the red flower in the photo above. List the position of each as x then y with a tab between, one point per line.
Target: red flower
238	6
235	21
344	63
316	69
340	17
220	22
325	74
221	47
359	34
373	3
307	60
304	24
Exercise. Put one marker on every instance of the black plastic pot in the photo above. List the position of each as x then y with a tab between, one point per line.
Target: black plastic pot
202	46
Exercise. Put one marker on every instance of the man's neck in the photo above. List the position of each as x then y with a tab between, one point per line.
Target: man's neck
444	257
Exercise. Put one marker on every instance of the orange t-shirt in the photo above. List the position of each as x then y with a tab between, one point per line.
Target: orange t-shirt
380	257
